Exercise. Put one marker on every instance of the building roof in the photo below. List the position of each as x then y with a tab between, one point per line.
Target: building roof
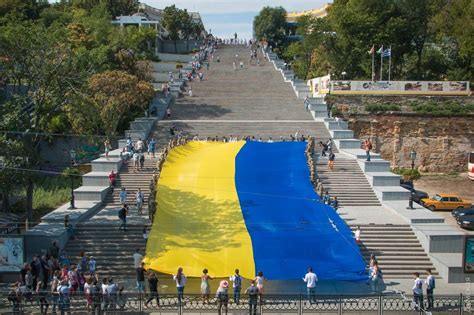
318	13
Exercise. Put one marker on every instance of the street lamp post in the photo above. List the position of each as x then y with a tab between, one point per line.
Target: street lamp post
72	155
412	191
413	158
343	75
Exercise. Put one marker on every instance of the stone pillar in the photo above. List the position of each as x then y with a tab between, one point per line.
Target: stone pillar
397	145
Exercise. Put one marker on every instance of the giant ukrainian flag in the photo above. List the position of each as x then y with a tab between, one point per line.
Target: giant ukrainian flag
247	205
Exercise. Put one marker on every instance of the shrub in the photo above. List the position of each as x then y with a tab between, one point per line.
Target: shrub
407	173
374	108
442	108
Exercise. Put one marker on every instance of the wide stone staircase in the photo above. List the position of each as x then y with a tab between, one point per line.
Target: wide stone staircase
254	101
346	181
397	249
99	236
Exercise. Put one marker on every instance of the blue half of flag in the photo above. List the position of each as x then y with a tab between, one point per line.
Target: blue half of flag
387	52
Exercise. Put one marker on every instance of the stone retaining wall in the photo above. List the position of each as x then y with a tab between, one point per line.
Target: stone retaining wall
442	144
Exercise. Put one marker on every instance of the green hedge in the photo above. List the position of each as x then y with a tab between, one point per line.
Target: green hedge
375	108
442	108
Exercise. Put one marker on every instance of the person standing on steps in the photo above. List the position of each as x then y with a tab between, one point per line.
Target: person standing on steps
326	198
190	91
368	148
357	235
139	198
137	258
152	147
112	180
430	286
123	196
168	113
237	285
123	216
331	158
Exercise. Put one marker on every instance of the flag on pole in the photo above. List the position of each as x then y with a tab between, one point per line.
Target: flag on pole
387	52
372	50
380	50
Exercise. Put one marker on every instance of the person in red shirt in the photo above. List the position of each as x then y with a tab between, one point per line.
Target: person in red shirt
112	179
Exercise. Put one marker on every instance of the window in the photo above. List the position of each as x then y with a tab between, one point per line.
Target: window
455	199
445	199
437	198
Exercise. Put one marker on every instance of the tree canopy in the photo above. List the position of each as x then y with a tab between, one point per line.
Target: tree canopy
429	39
65	68
270	24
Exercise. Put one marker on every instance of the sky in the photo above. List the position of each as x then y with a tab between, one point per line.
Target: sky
226	17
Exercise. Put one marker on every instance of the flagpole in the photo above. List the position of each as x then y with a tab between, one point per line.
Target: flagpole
389	63
381	65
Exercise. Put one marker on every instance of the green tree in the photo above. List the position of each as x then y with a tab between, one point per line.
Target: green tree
178	23
270	24
42	70
114	93
454	24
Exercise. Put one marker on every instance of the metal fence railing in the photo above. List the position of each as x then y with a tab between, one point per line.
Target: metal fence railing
128	303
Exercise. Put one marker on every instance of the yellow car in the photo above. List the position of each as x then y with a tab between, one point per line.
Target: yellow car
444	201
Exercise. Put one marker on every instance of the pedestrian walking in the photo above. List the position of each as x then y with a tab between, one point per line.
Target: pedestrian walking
139	199
112	180
168	113
418	292
374	276
222	297
153	287
253	292
324	148
123	216
326	198
141	159
335	203
123	196
137	258
180	280
205	287
190	91
141	278
107	148
236	285
368	148
136	161
357	235
152	147
92	265
430	286
331	158
311	278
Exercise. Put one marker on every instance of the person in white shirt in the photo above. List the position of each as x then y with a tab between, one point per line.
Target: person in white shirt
137	258
140	145
357	235
311	278
180	280
418	292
